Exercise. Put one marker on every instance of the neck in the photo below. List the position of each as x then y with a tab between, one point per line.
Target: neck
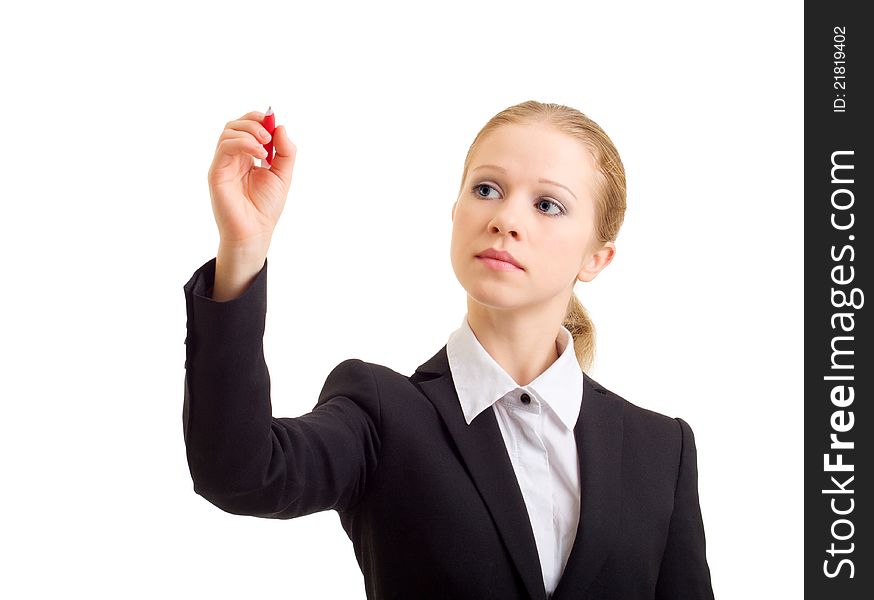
523	341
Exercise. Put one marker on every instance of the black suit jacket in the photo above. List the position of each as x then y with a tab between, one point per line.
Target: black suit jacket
432	505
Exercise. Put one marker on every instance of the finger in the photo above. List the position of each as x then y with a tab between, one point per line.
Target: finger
230	134
255	115
253	128
236	146
286	151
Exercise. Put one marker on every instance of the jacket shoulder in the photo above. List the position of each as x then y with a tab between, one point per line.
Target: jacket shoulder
356	368
367	378
638	418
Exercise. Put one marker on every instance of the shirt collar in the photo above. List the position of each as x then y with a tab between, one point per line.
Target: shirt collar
480	381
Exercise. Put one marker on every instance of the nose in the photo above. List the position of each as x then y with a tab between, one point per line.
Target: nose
508	216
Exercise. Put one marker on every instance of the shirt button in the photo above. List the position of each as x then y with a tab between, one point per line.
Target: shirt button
525	398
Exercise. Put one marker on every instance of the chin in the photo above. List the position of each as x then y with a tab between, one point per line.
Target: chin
493	296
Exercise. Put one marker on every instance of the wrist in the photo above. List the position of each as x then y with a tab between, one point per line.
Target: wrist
245	254
235	269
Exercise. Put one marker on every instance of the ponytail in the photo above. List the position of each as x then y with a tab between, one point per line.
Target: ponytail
582	329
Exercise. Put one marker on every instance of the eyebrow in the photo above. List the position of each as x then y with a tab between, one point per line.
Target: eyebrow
541	180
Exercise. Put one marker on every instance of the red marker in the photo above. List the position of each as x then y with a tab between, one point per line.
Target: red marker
269	123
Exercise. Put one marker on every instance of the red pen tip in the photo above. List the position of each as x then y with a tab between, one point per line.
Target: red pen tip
269	111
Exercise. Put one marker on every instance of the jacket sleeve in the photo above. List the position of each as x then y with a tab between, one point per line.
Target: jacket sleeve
684	570
241	458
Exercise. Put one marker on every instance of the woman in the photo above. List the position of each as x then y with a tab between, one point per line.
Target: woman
499	469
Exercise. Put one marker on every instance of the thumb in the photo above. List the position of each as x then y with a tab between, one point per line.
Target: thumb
285	152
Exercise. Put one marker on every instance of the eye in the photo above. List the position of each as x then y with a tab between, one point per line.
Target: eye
553	203
545	200
480	186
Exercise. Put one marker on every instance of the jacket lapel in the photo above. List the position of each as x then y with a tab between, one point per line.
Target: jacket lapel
484	452
598	434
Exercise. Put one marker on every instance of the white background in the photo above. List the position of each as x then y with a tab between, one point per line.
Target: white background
111	119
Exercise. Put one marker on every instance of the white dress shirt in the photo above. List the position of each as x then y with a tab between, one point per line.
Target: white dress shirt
539	436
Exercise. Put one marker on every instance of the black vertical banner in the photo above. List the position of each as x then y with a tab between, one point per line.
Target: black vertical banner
838	364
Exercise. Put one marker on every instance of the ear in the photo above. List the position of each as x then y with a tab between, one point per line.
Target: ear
596	262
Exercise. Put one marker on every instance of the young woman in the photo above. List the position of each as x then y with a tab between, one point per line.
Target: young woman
499	469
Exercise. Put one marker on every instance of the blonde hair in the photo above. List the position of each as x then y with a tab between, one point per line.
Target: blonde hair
609	193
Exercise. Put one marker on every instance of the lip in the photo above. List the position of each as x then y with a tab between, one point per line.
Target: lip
499	259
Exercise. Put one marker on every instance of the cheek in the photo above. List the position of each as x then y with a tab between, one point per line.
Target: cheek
461	227
455	240
562	257
458	243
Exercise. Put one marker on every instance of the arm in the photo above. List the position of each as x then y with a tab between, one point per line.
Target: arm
684	571
241	458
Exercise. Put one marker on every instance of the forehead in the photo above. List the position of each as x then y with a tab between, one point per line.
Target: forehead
533	151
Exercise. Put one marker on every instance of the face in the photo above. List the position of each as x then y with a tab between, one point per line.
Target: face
529	192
